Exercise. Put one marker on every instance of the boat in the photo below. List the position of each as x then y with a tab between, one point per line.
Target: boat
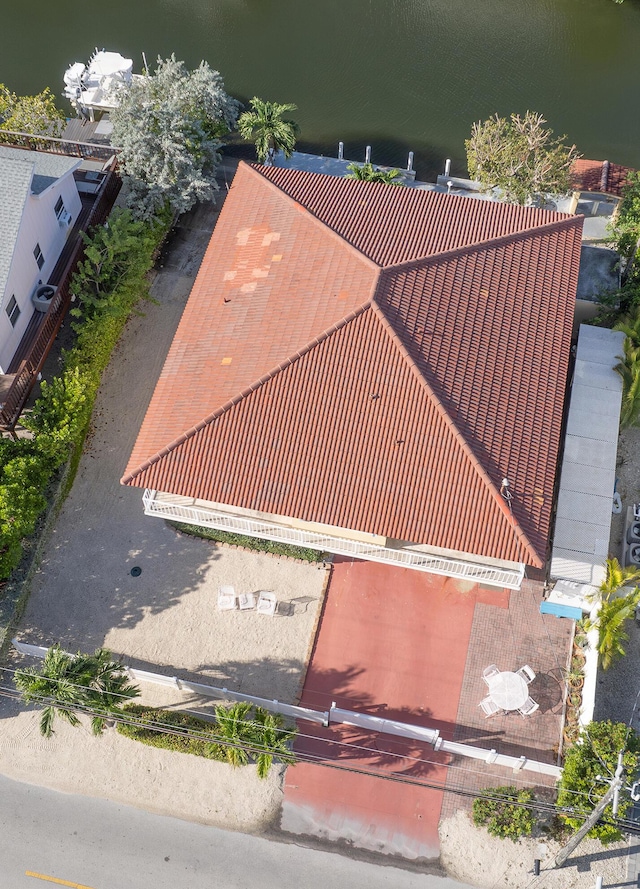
95	87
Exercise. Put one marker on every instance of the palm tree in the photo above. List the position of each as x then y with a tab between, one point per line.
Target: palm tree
611	621
630	326
272	740
616	578
265	126
108	688
629	369
235	731
69	682
615	611
369	173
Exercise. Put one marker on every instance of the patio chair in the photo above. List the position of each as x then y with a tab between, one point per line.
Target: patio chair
267	603
226	598
246	601
527	673
530	706
489	706
490	671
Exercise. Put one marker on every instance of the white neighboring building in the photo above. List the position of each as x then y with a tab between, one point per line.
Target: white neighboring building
39	204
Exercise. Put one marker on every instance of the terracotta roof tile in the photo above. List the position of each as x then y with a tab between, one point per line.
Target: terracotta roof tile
388	401
396	225
600	176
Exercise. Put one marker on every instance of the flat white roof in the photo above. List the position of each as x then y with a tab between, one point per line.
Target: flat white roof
585	498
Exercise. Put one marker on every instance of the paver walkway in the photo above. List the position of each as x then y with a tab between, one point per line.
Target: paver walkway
392	642
411	646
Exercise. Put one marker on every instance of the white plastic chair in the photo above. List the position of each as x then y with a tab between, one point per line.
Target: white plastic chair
246	601
267	603
226	598
489	706
490	671
530	706
527	673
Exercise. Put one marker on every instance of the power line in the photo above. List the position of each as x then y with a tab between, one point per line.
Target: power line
160	726
330	741
337	742
537	806
303	756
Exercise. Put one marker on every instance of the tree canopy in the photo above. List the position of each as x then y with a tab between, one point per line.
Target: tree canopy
169	125
595	755
368	173
625	226
265	126
615	609
65	682
30	114
520	157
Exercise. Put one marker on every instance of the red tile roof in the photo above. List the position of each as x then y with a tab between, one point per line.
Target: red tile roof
601	176
375	374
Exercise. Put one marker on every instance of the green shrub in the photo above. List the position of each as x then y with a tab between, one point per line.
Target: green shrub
115	255
596	754
61	414
241	734
23	479
496	810
109	283
143	718
254	543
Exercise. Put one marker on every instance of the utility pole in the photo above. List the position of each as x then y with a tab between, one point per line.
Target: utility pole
612	794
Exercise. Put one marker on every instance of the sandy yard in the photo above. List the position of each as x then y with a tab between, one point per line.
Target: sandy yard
165	620
119	769
469	854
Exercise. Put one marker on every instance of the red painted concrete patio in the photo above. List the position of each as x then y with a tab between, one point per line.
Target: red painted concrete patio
406	645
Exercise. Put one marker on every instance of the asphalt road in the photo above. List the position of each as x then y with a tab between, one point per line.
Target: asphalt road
53	839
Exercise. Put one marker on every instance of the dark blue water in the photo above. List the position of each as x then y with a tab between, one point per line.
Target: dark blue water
399	74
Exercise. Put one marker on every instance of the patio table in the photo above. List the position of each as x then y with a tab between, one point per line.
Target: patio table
508	690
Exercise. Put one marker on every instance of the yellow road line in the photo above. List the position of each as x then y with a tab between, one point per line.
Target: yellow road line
31	873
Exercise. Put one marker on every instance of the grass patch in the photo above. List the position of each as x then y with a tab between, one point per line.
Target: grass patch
143	730
254	543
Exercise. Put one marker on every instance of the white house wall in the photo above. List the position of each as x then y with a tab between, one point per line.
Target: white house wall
38	226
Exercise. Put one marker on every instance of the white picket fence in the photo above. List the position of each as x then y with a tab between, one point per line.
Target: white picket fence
335	715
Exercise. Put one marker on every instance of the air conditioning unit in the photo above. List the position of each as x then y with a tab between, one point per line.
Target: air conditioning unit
64	220
634	554
633	532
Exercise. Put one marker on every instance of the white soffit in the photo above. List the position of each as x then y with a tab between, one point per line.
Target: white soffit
585	498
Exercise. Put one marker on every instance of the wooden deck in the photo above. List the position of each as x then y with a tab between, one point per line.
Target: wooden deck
78	130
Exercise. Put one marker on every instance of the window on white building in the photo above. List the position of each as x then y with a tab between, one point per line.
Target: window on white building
37	252
13	311
59	208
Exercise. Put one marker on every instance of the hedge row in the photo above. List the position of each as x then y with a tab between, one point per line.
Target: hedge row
143	731
107	285
242	733
254	543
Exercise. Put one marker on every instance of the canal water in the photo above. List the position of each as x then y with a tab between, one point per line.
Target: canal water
397	74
